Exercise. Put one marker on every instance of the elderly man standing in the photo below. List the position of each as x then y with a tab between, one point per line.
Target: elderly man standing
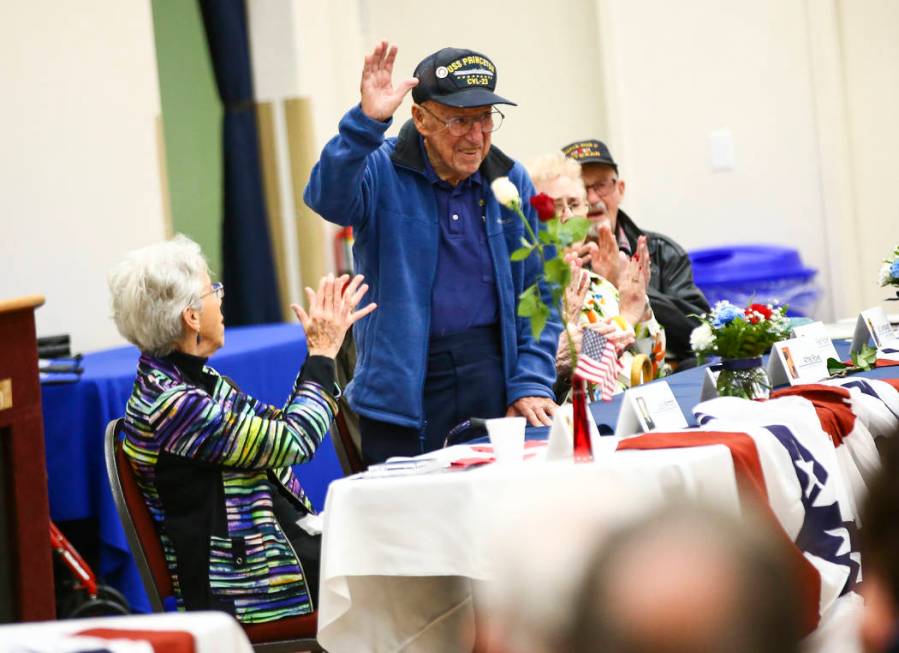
434	244
672	293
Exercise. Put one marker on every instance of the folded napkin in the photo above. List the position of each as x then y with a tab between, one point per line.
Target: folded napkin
532	448
528	444
465	463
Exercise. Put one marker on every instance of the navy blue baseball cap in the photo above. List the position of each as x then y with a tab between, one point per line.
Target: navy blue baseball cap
590	151
457	78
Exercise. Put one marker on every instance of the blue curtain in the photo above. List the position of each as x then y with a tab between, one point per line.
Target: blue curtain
248	265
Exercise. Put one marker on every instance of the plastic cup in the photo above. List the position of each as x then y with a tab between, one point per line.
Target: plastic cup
507	437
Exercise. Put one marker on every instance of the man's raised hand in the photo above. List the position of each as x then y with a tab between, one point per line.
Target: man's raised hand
380	98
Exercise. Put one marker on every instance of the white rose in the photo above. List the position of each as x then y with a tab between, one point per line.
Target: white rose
702	338
506	193
885	276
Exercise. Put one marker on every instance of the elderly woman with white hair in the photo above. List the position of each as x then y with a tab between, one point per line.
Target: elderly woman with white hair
212	462
608	293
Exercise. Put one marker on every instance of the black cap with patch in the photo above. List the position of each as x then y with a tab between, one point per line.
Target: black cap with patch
457	78
590	151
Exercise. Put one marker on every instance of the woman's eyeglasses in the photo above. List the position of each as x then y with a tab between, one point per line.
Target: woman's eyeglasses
573	204
217	289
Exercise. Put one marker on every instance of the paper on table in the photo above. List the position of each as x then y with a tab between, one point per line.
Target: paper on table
401	466
888	353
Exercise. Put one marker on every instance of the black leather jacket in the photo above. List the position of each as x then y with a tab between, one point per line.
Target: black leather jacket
672	293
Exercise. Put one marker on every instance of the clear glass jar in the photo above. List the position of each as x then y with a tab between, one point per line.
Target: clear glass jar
743	377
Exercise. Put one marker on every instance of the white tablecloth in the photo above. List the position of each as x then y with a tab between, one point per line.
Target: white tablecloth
213	632
399	554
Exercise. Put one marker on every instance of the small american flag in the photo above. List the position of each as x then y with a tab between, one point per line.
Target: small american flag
598	363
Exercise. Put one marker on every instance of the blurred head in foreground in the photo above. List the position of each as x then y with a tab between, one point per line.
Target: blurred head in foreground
880	555
686	580
675	580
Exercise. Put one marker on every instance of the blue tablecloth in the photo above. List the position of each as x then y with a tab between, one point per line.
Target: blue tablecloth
262	360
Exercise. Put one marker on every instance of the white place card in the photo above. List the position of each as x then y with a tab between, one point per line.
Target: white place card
796	361
817	333
650	407
560	444
873	325
709	385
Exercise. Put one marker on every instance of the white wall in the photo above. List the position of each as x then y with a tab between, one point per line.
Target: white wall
686	69
79	163
541	50
870	56
809	90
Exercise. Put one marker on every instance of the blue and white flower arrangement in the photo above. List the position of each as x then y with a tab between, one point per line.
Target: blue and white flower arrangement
889	271
732	332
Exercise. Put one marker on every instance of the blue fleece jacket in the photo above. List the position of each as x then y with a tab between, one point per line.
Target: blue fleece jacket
379	187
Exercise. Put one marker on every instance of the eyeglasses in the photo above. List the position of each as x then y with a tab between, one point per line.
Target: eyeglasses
489	121
573	204
602	188
217	289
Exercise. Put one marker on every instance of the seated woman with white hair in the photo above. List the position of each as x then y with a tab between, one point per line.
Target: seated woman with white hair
608	292
212	462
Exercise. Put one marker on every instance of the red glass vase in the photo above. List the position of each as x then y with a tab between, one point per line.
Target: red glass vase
582	450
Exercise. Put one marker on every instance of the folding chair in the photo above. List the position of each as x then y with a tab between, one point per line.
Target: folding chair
272	637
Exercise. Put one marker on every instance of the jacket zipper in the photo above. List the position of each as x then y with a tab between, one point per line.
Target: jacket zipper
299	564
296	556
424	367
496	280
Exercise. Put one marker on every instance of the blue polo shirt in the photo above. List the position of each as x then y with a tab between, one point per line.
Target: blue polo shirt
464	291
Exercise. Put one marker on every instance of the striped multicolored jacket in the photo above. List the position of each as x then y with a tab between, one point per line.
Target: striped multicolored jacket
208	465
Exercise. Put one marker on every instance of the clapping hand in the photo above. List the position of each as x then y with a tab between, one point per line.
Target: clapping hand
575	292
332	312
621	339
635	275
380	98
603	255
642	255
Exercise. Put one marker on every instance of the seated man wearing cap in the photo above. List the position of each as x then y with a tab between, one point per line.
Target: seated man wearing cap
434	244
672	293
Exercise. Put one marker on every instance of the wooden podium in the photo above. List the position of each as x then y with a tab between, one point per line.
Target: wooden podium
26	565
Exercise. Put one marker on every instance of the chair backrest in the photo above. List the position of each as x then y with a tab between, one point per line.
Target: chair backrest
345	434
139	526
344	444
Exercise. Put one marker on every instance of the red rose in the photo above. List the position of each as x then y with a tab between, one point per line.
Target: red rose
545	207
754	310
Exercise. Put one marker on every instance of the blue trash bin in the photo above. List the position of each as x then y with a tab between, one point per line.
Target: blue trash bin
756	273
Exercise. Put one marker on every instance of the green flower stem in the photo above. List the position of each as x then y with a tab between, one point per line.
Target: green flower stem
563	315
535	241
527	225
572	350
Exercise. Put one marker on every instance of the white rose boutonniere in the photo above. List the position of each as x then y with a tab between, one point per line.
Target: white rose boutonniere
506	193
